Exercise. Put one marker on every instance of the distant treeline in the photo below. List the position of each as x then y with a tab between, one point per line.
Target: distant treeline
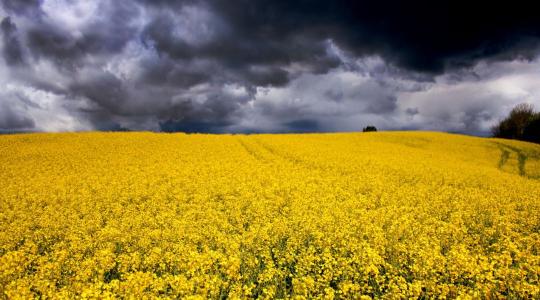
523	123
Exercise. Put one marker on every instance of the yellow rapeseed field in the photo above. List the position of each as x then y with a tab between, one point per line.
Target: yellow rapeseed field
355	215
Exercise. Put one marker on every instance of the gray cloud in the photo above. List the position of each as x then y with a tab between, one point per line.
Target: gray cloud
106	34
220	66
302	125
28	7
12	51
13	117
13	120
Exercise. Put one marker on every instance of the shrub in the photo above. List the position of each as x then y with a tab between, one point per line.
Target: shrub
369	128
532	131
522	124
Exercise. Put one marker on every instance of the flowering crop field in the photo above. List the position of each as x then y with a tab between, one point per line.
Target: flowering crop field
354	215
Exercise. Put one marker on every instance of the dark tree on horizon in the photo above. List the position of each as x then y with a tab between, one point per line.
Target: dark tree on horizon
523	123
369	128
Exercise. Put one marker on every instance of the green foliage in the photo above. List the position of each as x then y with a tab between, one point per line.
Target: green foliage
523	123
532	131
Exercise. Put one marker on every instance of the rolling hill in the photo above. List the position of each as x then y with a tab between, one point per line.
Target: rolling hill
343	215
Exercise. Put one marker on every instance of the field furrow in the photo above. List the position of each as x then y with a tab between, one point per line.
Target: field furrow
388	215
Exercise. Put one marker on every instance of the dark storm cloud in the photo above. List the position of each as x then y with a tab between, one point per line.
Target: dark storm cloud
255	59
382	105
104	89
53	43
305	125
105	36
193	126
11	119
426	36
411	111
12	51
21	6
165	72
214	116
194	65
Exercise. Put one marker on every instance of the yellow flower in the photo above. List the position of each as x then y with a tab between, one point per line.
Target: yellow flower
388	215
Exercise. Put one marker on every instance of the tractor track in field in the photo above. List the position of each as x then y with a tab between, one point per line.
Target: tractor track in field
521	155
252	152
297	161
264	153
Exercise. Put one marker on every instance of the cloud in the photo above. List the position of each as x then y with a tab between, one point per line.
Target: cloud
422	36
254	59
28	109
28	7
221	66
302	125
472	106
12	51
320	102
11	119
64	39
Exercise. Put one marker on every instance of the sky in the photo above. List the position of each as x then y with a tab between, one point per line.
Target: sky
234	66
